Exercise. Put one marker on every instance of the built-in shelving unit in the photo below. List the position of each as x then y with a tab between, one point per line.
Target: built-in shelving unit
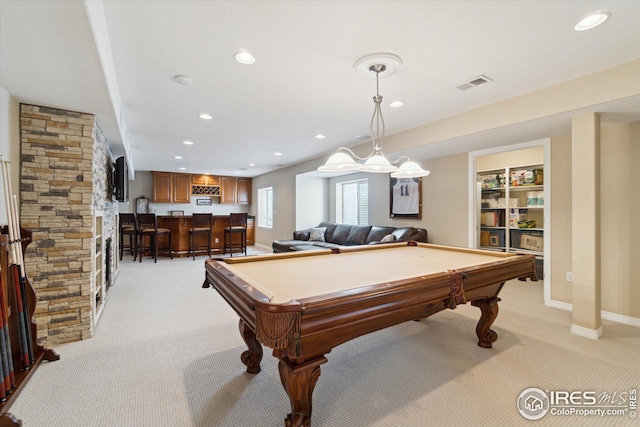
522	187
99	291
512	211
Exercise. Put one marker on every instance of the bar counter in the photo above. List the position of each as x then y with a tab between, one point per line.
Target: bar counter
180	226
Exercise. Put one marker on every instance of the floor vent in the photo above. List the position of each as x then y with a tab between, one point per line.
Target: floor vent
476	81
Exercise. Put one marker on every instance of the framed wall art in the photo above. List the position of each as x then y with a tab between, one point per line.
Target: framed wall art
142	205
405	198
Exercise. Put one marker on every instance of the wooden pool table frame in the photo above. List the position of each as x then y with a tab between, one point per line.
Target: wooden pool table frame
301	332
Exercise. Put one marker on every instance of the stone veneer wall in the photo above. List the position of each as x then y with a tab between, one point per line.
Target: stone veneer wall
62	183
101	154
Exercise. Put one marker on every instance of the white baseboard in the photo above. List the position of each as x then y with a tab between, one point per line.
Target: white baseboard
561	305
621	318
615	317
594	334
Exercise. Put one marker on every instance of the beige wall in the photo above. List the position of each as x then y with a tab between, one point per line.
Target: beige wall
283	183
619	227
511	159
445	200
311	201
620	214
585	217
561	218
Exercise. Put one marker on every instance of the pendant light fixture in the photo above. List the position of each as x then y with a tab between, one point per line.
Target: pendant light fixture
375	162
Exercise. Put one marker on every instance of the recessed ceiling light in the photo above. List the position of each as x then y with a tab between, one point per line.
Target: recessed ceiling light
205	116
396	104
178	157
319	136
252	164
187	142
183	169
244	57
592	20
181	79
277	154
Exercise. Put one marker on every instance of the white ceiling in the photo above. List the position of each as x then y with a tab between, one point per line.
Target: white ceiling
115	59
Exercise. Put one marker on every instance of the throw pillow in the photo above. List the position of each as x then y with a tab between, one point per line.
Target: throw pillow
317	234
388	238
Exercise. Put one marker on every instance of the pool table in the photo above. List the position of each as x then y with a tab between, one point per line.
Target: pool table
303	304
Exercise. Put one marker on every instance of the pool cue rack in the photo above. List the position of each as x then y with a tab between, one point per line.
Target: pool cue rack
17	321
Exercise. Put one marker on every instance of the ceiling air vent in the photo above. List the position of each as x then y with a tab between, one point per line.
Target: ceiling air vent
476	81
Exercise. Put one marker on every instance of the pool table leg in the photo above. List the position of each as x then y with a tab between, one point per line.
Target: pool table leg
299	382
253	356
489	309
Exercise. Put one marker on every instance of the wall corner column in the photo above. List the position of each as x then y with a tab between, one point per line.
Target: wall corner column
585	240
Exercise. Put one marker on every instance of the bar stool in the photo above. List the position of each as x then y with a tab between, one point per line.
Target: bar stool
148	227
201	224
128	227
237	225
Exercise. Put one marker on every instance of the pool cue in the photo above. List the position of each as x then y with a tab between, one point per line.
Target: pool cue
8	379
22	270
7	360
5	371
14	259
4	390
6	356
5	350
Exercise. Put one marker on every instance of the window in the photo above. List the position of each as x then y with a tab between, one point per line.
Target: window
265	207
352	202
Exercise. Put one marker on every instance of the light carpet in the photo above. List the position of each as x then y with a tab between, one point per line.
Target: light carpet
166	352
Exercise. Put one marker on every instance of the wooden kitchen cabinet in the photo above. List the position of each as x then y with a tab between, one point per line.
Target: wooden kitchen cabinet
205	180
181	188
162	187
171	187
235	190
243	191
228	189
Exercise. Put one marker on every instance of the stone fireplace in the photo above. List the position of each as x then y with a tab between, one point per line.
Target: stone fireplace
63	176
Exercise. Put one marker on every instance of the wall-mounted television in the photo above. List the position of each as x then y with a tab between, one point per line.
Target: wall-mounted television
122	180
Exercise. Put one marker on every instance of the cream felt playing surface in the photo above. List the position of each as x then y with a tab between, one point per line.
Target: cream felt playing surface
285	279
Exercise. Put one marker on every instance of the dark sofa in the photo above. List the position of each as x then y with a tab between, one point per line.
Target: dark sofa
339	235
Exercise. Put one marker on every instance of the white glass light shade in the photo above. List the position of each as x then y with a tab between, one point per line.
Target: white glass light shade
339	162
410	169
377	164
